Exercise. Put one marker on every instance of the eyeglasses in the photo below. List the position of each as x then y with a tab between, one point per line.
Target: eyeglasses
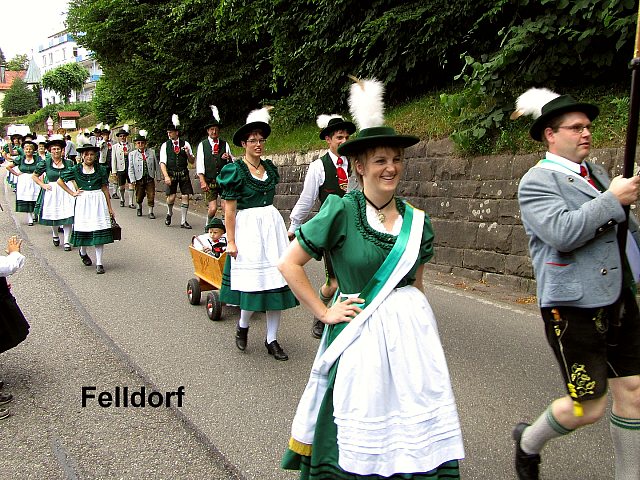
253	141
578	129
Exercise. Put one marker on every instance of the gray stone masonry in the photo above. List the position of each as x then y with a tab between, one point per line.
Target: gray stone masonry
472	203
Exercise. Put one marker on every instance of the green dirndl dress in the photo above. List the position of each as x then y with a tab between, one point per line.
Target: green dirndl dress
252	280
25	186
53	207
357	250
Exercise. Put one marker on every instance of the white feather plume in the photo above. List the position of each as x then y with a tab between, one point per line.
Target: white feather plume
56	136
366	103
86	131
214	111
175	120
143	133
323	120
532	101
107	127
259	115
99	126
125	127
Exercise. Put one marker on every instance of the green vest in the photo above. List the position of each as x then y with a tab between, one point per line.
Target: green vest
176	162
213	163
330	185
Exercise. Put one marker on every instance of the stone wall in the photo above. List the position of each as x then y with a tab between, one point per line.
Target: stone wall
472	203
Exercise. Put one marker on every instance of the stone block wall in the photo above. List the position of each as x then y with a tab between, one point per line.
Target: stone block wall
472	203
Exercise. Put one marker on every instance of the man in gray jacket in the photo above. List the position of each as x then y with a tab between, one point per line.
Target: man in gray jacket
586	292
142	173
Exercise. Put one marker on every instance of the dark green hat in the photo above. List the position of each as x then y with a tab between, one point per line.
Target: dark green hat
335	124
215	222
376	137
556	107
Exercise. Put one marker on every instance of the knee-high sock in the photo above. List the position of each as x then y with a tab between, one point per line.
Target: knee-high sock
150	208
67	233
273	322
54	231
29	217
625	434
245	316
169	208
131	195
122	189
99	251
184	208
83	250
545	428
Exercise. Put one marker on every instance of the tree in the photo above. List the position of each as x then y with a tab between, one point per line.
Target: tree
19	99
65	79
104	102
18	63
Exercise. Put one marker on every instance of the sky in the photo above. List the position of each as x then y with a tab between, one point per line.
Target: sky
45	17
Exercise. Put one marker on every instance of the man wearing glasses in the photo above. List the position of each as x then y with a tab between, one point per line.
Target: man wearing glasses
586	292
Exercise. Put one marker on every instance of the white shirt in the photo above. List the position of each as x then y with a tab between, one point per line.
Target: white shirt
11	264
163	149
200	155
311	190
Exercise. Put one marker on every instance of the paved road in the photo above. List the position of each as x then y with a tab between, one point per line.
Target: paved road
133	326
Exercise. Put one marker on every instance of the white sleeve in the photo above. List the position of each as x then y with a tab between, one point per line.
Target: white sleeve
200	159
163	153
11	264
309	195
188	147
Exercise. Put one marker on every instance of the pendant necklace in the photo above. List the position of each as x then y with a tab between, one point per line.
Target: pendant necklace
254	167
380	215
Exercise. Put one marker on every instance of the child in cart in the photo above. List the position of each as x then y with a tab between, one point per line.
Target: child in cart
213	241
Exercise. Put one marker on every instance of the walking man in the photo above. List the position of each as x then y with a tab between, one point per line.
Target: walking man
175	157
326	175
212	154
142	172
120	165
586	291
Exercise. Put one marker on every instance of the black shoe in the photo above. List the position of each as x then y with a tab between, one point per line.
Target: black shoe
139	212
317	329
275	349
186	225
131	205
60	229
527	465
152	216
122	203
241	337
167	221
115	195
67	247
5	398
30	224
99	269
56	241
86	259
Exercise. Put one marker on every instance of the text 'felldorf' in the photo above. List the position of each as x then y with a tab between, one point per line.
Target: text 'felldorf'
121	397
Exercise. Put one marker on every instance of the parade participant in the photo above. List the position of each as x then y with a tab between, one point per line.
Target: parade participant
212	154
70	152
175	157
142	172
363	415
213	241
54	207
93	212
14	328
120	165
106	149
326	176
13	151
27	190
41	153
586	291
256	236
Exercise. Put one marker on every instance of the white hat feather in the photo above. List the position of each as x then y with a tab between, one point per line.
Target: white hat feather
107	127
532	101
125	127
323	120
366	102
260	115
143	133
215	113
175	120
99	126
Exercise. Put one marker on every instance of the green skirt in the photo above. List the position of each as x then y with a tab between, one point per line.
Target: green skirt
99	237
25	206
276	299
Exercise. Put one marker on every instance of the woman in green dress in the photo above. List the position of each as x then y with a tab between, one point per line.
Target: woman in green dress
256	236
27	190
379	402
93	212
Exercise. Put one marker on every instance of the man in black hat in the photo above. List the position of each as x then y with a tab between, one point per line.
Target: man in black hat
328	175
586	291
212	154
175	156
104	142
120	165
142	173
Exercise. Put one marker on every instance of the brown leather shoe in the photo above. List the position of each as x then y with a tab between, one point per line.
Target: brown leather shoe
275	349
527	465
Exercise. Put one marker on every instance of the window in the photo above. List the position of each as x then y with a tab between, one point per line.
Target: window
75	51
64	54
50	58
44	60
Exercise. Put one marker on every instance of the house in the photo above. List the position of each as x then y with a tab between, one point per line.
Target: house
6	80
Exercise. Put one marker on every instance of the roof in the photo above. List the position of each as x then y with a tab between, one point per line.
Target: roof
9	77
70	114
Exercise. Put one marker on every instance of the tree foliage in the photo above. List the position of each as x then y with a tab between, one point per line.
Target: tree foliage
104	102
18	63
19	99
65	79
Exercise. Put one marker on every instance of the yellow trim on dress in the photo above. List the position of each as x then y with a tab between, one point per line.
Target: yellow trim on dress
299	447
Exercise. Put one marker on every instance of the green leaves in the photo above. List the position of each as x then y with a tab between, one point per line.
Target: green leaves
65	79
19	99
